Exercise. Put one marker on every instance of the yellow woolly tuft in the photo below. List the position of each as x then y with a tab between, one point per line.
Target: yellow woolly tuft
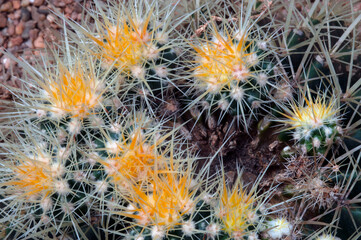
313	114
236	210
72	91
134	158
32	179
169	196
128	43
223	60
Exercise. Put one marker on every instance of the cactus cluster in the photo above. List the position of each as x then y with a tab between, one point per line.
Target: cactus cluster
90	151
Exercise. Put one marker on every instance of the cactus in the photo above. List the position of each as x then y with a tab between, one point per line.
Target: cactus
38	190
233	69
90	150
171	207
135	41
313	123
238	212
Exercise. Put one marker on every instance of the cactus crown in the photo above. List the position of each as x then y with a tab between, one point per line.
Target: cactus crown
313	114
32	179
169	196
132	157
223	60
125	42
74	91
237	210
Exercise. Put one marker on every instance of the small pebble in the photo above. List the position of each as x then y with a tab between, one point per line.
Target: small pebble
19	28
25	14
50	18
17	14
3	21
42	17
16	41
34	14
11	16
16	4
1	40
58	3
25	3
33	34
74	16
68	10
39	42
43	24
4	32
43	10
29	44
78	8
6	7
30	25
11	29
38	3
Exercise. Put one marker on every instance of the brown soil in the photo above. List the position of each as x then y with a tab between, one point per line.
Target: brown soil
252	152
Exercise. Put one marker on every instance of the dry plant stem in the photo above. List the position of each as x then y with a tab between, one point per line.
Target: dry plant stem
200	30
265	6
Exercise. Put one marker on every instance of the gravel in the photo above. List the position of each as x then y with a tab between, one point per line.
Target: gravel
26	26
